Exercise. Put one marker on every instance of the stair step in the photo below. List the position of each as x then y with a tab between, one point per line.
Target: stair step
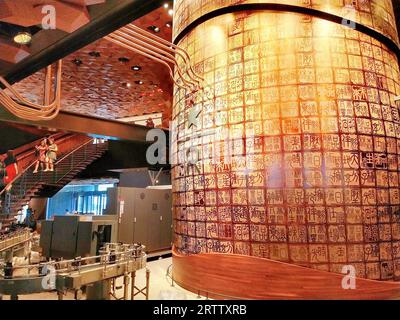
35	184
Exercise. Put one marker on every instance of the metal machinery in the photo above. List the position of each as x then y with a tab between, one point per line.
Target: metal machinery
12	244
144	216
77	236
97	273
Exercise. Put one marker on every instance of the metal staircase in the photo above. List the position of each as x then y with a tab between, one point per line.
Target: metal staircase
28	185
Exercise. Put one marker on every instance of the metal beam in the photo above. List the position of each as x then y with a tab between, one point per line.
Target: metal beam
117	14
79	123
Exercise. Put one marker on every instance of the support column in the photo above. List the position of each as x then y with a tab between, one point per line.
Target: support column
297	138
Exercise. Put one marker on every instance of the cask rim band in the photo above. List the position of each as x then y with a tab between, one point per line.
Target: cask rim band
388	42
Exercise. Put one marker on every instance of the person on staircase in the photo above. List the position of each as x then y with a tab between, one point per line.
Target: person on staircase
51	155
11	165
40	153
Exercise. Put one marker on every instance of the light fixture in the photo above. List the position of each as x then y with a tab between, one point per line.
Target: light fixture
136	68
154	29
77	61
168	24
139	82
123	59
94	54
166	5
170	12
23	38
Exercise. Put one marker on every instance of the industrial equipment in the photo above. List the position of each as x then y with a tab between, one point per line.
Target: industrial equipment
96	273
144	216
76	236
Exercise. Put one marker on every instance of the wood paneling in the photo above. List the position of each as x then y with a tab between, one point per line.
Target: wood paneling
226	276
71	15
11	53
99	86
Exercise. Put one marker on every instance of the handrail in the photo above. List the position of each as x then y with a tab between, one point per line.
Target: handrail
67	155
28	151
19	175
22	150
74	150
135	250
26	181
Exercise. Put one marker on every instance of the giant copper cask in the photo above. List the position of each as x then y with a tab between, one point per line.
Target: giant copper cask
306	106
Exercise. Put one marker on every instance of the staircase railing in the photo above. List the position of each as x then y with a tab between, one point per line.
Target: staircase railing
68	162
26	158
26	181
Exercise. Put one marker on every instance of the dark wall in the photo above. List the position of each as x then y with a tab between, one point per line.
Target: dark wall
120	155
141	179
12	137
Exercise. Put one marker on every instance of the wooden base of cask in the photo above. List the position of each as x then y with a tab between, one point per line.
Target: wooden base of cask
227	276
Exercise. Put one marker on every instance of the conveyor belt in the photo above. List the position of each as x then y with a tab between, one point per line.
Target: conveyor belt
14	239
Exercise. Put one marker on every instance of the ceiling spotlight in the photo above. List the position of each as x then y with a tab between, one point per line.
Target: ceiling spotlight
128	85
170	12
23	38
168	24
77	61
154	28
94	54
139	82
123	59
166	5
136	68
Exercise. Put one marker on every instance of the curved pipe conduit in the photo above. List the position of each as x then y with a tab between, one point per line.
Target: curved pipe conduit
25	109
140	41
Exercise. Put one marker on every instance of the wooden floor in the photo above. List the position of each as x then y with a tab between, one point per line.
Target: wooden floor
227	276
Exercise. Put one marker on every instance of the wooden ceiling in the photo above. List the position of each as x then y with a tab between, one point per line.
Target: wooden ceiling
17	15
98	80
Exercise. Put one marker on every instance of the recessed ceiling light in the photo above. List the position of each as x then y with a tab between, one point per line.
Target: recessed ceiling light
170	12
77	61
139	82
94	54
168	24
154	28
23	38
136	68
166	5
123	59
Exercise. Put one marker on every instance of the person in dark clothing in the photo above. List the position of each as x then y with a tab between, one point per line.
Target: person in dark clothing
3	172
30	220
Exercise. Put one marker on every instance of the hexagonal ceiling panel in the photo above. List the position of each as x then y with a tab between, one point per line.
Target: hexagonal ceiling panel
99	80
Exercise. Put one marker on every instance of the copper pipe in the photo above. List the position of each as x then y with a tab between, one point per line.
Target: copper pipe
167	43
163	52
151	49
158	49
34	105
33	111
157	55
146	55
169	47
47	84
